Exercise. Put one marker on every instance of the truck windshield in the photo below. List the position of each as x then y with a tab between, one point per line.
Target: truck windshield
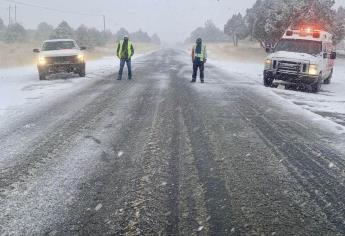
58	45
298	45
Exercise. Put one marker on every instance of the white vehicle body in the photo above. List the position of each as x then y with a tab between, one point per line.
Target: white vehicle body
60	55
309	63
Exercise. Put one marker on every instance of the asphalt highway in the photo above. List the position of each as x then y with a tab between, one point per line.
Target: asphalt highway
161	156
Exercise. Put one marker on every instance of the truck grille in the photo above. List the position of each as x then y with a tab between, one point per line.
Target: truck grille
290	67
62	60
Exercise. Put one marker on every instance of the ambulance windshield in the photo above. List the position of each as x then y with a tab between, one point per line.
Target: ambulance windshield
300	46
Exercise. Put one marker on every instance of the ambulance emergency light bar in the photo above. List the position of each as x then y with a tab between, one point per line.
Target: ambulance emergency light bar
303	32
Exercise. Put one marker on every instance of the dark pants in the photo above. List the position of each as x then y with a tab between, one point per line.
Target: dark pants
198	65
129	67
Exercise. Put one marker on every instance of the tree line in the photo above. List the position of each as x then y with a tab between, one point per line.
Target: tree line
267	20
89	37
209	33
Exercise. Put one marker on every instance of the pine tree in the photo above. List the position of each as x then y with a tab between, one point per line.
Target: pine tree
339	28
209	33
269	19
252	17
63	31
81	36
279	20
316	12
43	31
155	39
2	25
108	36
96	38
140	36
121	33
2	29
15	33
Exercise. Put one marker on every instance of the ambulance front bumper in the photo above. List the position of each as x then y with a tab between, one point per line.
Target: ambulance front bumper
290	78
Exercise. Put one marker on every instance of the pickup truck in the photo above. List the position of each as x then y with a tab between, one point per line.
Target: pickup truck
60	56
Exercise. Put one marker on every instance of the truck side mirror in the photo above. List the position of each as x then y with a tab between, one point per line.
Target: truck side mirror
325	55
36	50
82	48
333	56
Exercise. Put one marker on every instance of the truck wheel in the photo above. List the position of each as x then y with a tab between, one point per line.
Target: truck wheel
268	82
316	87
82	72
42	76
329	78
288	86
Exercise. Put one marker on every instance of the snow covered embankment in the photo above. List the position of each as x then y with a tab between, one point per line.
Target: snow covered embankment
20	87
21	91
329	103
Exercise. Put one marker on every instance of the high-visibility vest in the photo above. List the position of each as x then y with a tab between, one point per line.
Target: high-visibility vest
129	49
202	54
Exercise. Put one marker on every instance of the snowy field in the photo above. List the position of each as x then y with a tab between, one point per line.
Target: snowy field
329	103
21	90
20	87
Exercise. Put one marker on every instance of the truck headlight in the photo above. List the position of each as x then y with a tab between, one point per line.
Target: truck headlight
313	70
268	64
81	57
42	61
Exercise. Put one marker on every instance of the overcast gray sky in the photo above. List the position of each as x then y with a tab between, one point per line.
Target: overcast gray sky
173	20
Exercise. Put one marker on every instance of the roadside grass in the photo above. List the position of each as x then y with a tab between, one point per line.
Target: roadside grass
16	54
20	54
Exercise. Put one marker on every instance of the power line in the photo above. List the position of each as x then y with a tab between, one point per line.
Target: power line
52	9
104	17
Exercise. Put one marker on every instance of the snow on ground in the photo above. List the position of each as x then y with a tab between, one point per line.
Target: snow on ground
329	103
21	90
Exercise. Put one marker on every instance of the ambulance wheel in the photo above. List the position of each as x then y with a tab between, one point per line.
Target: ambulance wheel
289	87
42	76
329	78
316	87
268	82
82	72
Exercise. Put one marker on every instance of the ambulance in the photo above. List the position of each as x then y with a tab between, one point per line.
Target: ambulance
303	58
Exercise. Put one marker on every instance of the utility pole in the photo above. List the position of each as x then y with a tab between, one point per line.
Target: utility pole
104	24
15	13
9	15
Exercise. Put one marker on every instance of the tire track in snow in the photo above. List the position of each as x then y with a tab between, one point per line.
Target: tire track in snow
318	180
59	137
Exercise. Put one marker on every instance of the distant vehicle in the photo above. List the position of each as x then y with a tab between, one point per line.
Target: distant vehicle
60	55
303	57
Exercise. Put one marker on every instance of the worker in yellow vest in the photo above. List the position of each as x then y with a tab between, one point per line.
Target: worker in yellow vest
125	51
199	58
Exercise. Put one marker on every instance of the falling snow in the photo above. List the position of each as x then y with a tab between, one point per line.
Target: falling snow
98	207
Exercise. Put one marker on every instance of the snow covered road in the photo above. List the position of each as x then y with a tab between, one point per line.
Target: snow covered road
161	156
329	103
